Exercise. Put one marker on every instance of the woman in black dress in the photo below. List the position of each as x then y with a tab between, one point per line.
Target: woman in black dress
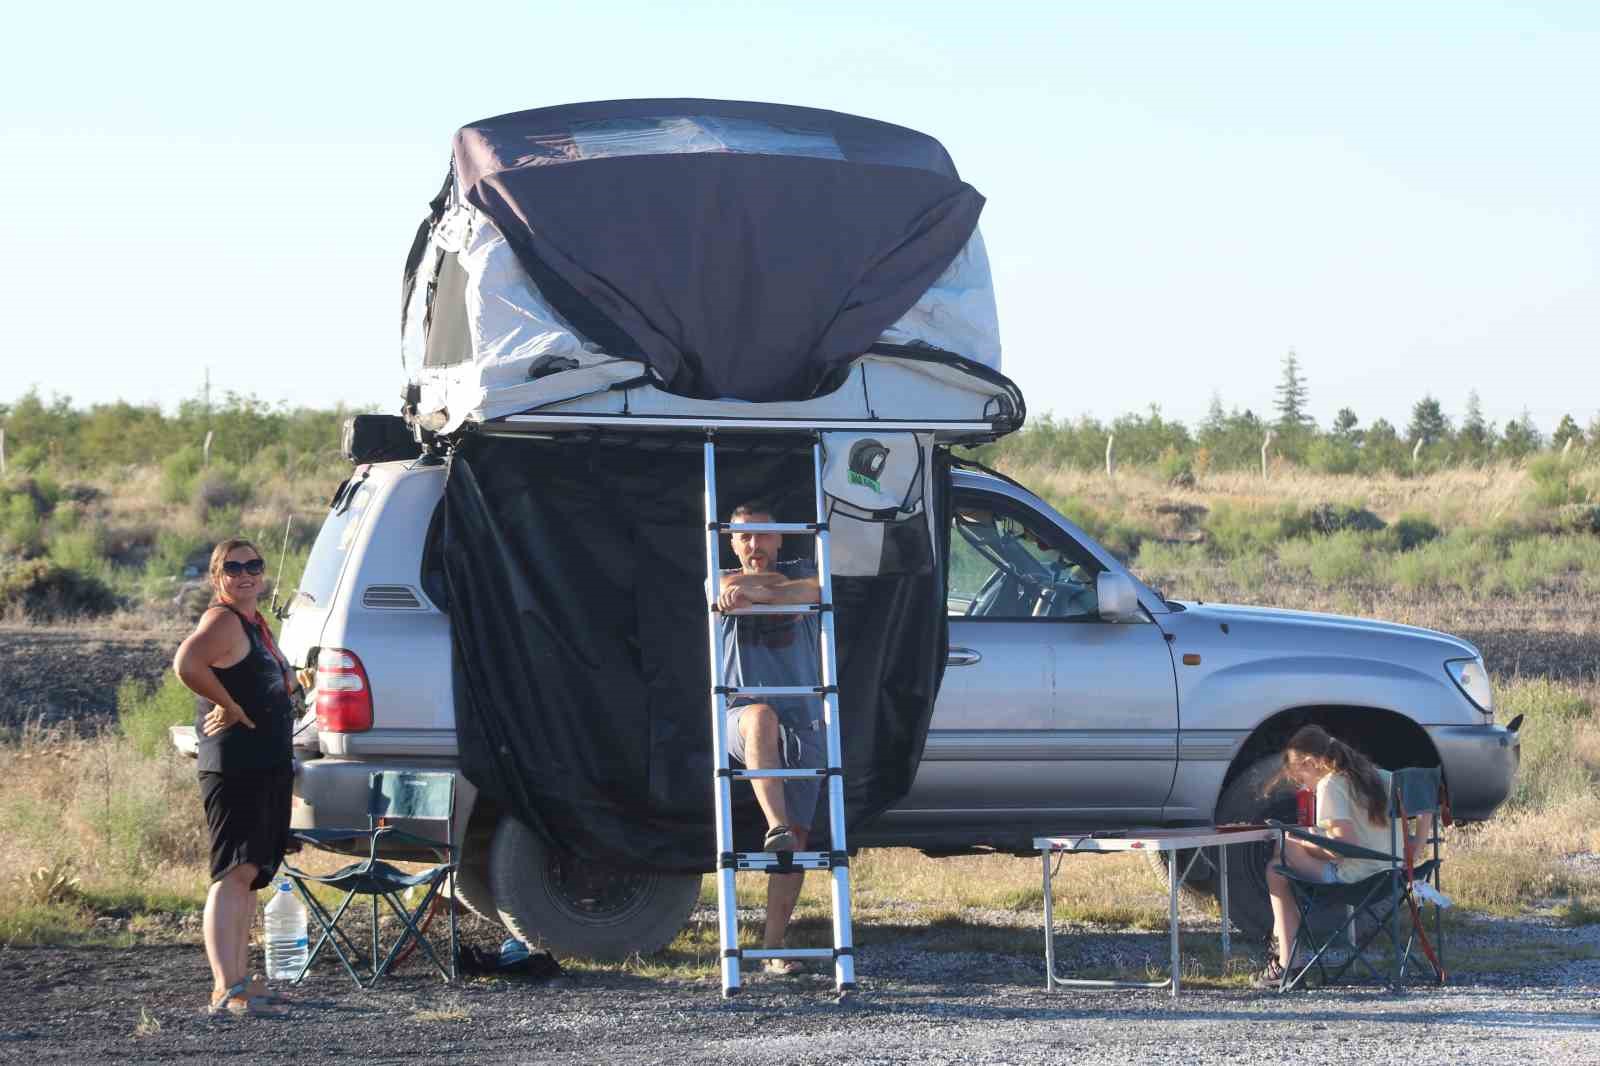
243	722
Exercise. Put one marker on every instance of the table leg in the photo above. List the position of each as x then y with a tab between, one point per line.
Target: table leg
1172	913
1049	929
1222	873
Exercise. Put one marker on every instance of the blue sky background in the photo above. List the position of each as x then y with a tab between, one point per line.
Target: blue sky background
1406	195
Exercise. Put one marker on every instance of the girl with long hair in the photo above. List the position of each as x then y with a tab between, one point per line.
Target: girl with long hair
1352	797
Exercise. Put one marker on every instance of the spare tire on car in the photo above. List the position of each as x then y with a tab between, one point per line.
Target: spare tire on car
548	898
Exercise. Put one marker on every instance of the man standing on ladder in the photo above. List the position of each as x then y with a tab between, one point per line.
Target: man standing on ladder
780	732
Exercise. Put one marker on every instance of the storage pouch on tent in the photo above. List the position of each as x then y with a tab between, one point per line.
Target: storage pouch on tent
875	485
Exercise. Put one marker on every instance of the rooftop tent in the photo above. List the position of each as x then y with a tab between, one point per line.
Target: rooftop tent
696	250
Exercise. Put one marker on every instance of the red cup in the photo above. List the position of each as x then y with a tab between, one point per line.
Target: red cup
1305	803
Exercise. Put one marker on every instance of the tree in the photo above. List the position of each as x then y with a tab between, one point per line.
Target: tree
1428	423
1520	438
1567	430
1476	438
1382	449
1344	425
1291	402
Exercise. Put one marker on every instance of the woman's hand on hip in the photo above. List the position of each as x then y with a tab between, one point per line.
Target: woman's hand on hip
221	718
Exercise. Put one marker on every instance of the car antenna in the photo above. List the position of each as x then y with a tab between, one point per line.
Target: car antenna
278	612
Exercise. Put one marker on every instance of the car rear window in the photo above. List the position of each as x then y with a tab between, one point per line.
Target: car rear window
332	545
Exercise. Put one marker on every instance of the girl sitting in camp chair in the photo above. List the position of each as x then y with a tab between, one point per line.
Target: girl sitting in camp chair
1352	806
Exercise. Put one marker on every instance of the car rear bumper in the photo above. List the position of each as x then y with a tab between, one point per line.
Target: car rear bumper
332	793
1480	766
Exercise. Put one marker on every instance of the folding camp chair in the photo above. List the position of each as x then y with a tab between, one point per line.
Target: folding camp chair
1378	899
393	796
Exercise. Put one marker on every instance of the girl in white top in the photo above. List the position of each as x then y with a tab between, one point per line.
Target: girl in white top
1352	807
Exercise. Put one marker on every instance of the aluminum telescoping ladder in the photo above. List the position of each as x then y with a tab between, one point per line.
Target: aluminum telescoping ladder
729	861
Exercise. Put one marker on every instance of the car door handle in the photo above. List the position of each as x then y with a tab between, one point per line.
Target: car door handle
963	657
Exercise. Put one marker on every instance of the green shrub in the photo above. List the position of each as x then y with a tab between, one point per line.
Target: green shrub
1177	468
1556	481
172	553
220	488
1333	517
1459	560
82	550
47	592
179	472
1413	531
1331	456
144	714
1341	558
1233	531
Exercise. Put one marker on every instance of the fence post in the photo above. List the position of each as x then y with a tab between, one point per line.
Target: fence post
1111	461
1266	444
206	450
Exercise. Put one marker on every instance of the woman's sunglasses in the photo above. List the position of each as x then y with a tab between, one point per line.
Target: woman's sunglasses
253	567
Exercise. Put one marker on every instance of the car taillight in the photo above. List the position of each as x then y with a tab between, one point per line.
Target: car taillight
344	695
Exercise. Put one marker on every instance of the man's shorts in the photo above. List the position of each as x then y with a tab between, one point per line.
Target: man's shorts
803	749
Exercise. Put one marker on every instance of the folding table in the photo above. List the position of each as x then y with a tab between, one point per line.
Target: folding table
1170	841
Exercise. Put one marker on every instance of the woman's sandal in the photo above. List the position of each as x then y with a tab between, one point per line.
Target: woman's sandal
261	992
237	1001
782	967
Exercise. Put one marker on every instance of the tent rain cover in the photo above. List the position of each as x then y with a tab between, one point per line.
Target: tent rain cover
717	249
685	258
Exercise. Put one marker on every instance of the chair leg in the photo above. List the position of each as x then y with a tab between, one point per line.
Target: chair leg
455	953
411	931
331	935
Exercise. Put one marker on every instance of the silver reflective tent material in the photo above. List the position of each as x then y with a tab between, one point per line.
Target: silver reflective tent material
654	257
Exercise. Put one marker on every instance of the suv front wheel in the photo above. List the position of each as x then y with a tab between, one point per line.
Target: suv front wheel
545	897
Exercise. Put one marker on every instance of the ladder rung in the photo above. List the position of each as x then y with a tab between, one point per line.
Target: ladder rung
756	775
768	860
777	608
786	953
770	527
775	690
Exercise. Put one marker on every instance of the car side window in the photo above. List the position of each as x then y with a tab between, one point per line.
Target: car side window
1007	563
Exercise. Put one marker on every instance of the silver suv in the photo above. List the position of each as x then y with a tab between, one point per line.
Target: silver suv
1076	696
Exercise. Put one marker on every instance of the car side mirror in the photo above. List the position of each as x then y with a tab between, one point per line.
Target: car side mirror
1117	598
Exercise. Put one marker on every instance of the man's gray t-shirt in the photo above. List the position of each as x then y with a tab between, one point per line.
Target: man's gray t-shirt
779	649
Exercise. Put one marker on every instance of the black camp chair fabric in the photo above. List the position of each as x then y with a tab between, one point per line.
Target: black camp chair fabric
1376	904
412	797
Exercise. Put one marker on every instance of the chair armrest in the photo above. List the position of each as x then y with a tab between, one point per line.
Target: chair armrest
322	837
1341	848
446	852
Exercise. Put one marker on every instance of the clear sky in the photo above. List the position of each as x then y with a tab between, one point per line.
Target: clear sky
1407	195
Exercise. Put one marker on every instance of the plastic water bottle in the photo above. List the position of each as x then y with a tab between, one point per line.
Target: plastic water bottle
285	922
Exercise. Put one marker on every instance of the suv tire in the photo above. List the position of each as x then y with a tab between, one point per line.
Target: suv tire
545	898
472	888
1200	887
1249	906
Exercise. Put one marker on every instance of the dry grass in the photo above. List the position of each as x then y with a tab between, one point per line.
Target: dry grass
1463	496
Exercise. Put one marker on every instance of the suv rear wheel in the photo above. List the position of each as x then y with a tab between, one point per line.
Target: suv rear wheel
545	897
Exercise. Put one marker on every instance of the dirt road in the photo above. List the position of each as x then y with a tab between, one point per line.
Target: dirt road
140	1005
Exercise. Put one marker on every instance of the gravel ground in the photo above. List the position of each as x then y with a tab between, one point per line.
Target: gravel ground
69	675
915	1006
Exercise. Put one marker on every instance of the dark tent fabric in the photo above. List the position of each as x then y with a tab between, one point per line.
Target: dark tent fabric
741	250
576	581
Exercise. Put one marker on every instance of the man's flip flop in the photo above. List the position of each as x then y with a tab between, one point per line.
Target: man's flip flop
782	967
780	838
